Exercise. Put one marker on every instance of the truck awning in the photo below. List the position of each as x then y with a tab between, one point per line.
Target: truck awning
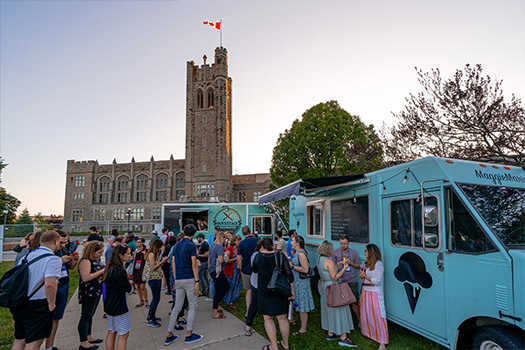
299	186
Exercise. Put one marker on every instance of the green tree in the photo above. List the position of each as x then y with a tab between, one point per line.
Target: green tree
7	200
463	117
24	223
328	141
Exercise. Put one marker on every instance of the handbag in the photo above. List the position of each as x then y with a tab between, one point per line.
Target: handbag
279	283
309	273
339	294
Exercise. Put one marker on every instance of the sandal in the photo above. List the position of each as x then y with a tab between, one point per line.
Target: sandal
147	305
231	306
280	343
248	332
221	311
140	304
292	322
218	316
295	333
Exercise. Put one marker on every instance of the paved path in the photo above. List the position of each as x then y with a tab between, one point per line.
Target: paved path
224	334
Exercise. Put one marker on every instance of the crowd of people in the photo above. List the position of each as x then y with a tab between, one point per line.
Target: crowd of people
189	266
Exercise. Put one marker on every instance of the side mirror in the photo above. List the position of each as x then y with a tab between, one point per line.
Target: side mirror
431	240
431	215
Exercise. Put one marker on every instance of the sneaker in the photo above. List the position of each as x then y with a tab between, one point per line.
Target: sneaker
170	340
193	338
148	319
153	324
332	337
208	299
179	327
347	342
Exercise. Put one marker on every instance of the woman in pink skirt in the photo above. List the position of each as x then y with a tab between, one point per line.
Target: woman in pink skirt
373	314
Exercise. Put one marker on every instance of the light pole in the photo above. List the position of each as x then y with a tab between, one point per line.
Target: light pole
128	213
5	211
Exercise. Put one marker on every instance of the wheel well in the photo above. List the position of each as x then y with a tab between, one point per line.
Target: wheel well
467	329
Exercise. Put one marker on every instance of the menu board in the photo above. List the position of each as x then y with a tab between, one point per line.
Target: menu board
350	217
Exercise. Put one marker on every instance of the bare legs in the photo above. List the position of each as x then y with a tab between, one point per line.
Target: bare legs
271	330
121	341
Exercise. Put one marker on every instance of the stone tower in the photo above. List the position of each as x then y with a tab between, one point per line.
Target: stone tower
209	130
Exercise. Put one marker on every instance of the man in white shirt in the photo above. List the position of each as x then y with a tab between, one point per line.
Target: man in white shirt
34	320
164	235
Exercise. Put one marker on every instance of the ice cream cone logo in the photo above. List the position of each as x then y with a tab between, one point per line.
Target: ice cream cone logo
411	271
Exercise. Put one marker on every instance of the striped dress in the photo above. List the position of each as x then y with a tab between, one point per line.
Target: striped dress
373	313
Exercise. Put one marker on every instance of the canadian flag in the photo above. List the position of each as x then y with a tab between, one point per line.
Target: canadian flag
214	24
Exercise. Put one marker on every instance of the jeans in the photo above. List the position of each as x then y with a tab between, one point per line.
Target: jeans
203	278
252	310
221	288
89	306
185	287
155	286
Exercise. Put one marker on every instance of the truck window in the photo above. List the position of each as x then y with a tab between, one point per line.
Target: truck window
405	222
262	225
314	219
350	217
464	233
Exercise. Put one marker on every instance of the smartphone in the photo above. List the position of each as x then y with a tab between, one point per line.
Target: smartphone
74	254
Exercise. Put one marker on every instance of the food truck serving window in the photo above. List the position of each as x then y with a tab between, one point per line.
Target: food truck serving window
314	217
262	225
349	218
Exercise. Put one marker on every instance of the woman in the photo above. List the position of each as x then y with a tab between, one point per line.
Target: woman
335	320
116	300
153	275
168	244
216	268
303	292
139	262
22	248
373	313
231	270
252	310
271	304
90	271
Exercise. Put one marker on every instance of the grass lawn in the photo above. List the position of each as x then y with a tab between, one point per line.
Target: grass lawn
400	338
6	320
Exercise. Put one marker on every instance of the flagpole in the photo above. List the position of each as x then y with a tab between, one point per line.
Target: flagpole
221	32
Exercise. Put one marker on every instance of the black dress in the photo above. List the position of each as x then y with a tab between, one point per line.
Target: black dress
271	304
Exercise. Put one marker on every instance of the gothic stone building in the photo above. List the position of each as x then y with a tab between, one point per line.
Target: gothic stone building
118	192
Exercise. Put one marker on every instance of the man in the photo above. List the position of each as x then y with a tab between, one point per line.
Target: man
244	252
289	251
351	257
68	263
130	241
34	320
186	274
164	235
202	255
211	237
117	241
155	236
280	244
94	235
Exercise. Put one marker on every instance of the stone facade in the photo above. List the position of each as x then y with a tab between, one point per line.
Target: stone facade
135	191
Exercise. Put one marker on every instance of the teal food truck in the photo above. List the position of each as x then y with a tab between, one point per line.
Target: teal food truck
224	216
452	236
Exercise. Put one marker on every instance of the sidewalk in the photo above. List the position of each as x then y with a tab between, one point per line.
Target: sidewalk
224	334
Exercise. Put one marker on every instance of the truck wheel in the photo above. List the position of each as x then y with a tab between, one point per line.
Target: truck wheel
497	338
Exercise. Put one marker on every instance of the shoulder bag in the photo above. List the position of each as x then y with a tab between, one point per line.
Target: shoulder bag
279	283
339	294
310	273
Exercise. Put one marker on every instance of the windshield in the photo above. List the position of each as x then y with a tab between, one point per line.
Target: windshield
503	208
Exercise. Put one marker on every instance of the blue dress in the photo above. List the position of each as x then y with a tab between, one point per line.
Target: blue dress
301	288
235	284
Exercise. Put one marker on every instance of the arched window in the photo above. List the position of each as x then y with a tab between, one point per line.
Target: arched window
179	179
211	98
200	99
142	182
161	181
104	184
122	183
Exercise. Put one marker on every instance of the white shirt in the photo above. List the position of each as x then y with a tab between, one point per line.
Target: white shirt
163	238
38	271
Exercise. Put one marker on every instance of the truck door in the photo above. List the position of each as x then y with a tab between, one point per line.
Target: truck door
414	279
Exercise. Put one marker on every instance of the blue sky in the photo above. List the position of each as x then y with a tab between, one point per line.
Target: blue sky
106	79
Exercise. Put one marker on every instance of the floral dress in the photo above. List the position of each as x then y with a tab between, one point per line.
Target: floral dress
93	288
301	288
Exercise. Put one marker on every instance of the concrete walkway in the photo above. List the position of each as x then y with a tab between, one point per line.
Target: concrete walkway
223	334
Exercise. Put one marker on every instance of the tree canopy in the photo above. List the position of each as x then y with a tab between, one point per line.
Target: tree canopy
328	141
7	200
464	117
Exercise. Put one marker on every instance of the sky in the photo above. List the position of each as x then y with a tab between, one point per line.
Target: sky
97	80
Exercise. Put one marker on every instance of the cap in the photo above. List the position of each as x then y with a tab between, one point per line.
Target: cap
154	232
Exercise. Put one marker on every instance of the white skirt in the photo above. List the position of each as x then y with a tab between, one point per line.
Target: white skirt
120	324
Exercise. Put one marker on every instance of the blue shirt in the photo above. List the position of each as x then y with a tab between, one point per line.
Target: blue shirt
183	251
216	250
246	249
211	238
108	253
289	248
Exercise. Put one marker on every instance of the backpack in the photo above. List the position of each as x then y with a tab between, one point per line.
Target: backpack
15	283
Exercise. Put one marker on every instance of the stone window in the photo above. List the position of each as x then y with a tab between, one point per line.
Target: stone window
179	179
123	183
119	214
256	196
161	181
141	196
103	198
242	196
219	124
137	214
179	194
99	214
161	195
104	184
204	142
203	190
78	195
76	214
142	182
79	181
204	168
200	99
155	213
122	197
203	121
211	98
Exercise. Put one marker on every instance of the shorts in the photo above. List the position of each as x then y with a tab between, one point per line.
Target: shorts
246	285
355	290
120	324
61	301
33	321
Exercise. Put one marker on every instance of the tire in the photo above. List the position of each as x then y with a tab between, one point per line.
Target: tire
498	338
